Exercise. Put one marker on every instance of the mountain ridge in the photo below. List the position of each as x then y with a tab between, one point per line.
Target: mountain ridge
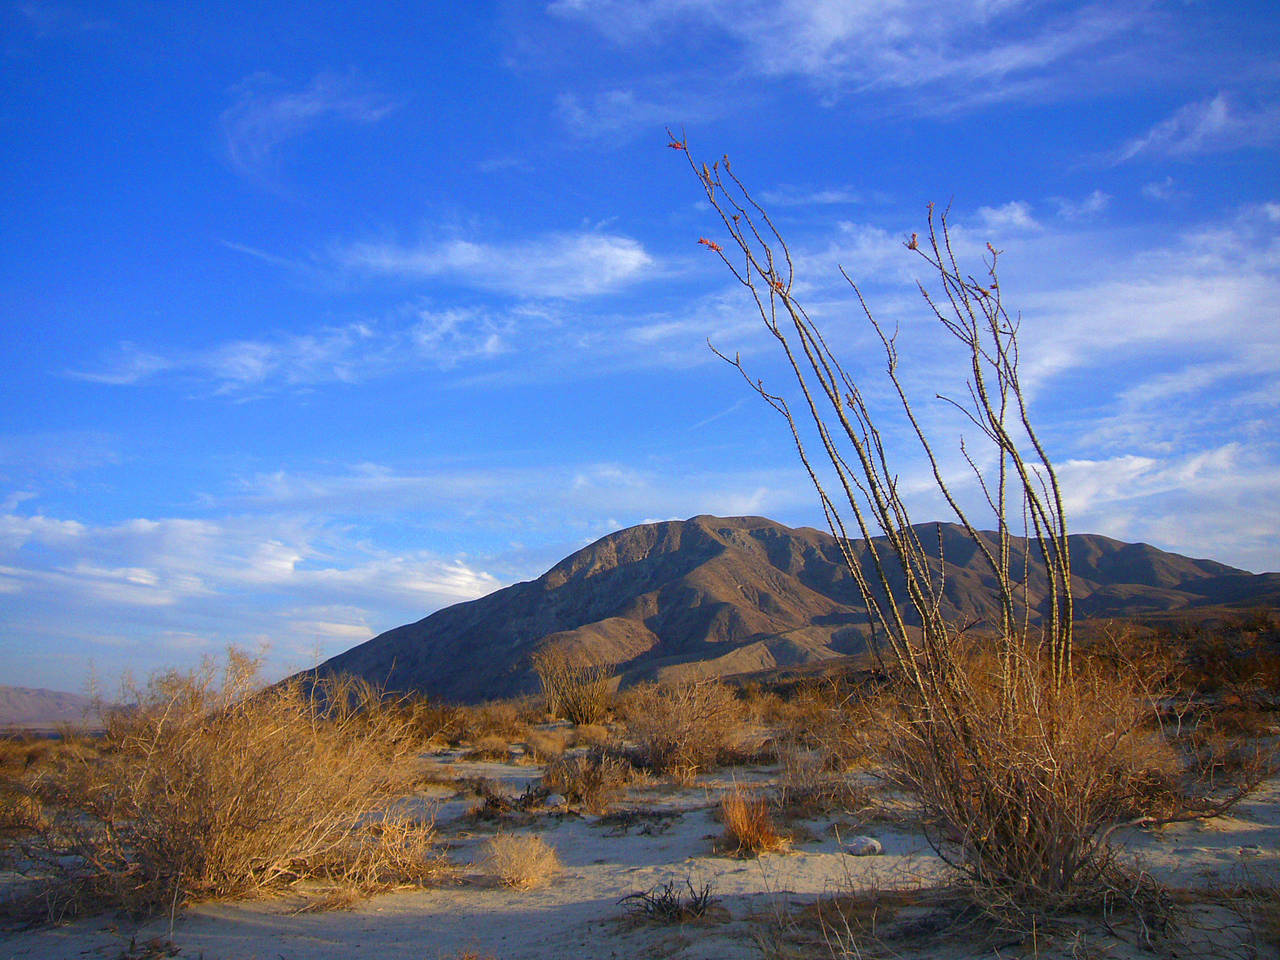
720	596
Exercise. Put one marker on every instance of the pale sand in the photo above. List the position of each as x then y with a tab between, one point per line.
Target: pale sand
578	915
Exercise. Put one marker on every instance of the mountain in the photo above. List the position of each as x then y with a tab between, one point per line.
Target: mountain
28	708
722	596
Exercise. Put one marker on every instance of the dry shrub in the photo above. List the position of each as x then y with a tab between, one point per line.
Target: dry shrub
522	862
666	903
501	718
749	829
1019	779
490	747
593	779
20	810
432	722
592	735
682	729
809	786
546	745
581	693
212	789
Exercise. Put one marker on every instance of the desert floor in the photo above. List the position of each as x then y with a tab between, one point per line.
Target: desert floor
765	906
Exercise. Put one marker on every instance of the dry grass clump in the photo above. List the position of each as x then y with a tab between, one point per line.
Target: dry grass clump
522	862
593	779
683	729
209	787
749	829
581	693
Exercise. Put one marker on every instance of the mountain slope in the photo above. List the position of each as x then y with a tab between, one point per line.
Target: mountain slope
44	709
718	596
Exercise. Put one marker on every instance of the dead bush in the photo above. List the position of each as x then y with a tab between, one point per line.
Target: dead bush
578	692
1020	778
592	735
522	862
749	829
489	747
500	718
209	789
20	810
808	786
593	779
546	745
682	729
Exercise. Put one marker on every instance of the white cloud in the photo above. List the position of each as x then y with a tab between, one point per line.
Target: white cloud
620	113
419	337
1159	189
1014	216
558	265
1084	209
1215	125
266	115
951	52
791	196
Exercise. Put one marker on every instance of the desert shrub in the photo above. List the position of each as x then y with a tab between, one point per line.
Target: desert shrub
546	745
581	693
500	718
749	829
522	862
432	722
592	735
808	785
682	729
667	903
20	809
212	790
593	779
490	747
1019	778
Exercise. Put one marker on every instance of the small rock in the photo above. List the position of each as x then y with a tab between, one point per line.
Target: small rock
554	800
863	847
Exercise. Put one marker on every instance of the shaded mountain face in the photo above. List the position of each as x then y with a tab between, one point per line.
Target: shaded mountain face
716	596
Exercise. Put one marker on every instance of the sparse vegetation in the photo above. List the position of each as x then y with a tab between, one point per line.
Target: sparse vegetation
208	786
580	693
523	862
682	729
668	903
1022	766
593	779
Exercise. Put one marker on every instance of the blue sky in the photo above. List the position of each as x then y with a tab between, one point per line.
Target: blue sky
317	318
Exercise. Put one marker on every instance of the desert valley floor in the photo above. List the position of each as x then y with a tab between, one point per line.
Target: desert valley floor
659	833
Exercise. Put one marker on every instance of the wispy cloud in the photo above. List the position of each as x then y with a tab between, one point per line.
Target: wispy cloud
420	336
556	265
1215	125
948	54
792	196
266	115
619	114
1083	209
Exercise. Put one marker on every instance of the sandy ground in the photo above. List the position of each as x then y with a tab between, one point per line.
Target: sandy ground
578	914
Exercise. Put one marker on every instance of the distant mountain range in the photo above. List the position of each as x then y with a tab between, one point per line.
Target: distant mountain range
716	596
28	708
